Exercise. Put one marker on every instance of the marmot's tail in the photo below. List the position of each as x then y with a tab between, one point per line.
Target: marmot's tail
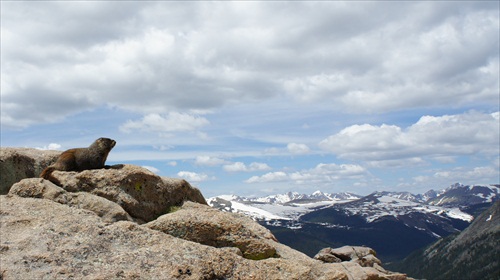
47	172
47	175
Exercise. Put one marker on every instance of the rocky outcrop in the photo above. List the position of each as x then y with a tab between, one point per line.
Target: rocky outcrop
92	226
205	225
140	192
19	163
363	256
42	239
40	188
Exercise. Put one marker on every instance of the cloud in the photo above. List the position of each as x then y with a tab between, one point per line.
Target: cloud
467	175
147	58
395	73
242	167
209	161
431	137
291	148
278	176
321	174
51	146
194	177
151	168
298	149
166	124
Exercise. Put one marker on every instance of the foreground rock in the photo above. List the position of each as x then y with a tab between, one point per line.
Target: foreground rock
142	194
205	225
20	163
42	239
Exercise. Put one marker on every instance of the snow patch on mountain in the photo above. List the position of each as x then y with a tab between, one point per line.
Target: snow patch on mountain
291	206
255	212
288	206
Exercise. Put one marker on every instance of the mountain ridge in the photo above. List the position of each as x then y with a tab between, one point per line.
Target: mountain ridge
451	201
471	254
373	220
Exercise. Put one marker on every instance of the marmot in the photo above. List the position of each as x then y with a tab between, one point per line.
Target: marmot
80	159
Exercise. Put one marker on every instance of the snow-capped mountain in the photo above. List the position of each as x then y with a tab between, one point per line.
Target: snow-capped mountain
288	206
459	195
293	197
375	220
381	204
473	254
291	205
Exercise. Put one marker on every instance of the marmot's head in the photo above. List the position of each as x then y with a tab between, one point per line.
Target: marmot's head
105	143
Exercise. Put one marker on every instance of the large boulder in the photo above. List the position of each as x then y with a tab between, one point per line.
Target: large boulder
42	239
20	163
144	195
205	225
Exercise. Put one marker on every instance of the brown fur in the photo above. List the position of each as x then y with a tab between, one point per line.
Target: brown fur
80	159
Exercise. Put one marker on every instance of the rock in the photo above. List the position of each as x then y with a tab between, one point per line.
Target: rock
141	193
42	239
40	188
369	261
20	163
205	225
325	255
351	257
362	255
351	253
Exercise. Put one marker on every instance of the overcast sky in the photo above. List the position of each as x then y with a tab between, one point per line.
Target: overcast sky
258	98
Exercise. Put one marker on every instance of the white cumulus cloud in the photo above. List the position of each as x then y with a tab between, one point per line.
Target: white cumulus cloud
321	174
51	146
151	168
242	167
165	124
194	177
431	137
209	161
278	176
389	57
298	149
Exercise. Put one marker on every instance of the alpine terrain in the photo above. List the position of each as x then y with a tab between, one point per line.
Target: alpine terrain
472	254
394	224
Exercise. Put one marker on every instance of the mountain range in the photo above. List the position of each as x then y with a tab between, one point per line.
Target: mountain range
472	254
393	223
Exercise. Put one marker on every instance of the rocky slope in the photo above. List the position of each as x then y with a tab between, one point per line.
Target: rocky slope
128	223
472	254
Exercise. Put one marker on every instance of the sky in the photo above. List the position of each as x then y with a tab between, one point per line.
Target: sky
260	98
